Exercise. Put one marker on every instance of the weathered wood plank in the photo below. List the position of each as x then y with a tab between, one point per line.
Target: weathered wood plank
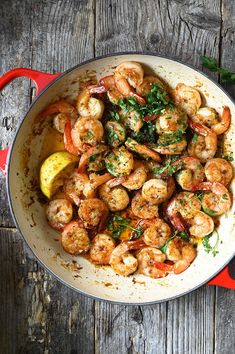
225	299
62	34
14	99
40	315
190	323
134	329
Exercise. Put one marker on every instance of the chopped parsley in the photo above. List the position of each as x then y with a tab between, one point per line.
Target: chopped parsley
157	100
199	195
206	242
111	136
114	115
171	138
93	157
117	224
183	235
168	169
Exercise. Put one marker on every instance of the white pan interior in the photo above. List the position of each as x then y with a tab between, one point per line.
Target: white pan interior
29	214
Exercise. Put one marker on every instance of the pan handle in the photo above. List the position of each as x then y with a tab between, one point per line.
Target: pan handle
226	278
40	79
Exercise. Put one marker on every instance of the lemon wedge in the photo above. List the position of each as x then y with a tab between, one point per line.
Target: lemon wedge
53	171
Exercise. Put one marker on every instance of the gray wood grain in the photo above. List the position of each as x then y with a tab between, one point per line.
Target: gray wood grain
41	314
225	299
14	99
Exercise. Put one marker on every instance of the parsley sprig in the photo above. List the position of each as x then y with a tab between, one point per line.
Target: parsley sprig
157	101
168	169
211	64
117	224
207	245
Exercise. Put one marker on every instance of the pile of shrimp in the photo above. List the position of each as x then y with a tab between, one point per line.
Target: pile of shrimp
172	189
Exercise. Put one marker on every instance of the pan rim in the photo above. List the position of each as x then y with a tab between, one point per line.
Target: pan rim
9	188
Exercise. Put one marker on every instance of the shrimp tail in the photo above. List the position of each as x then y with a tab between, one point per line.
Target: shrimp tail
116	181
139	98
97	89
204	186
68	142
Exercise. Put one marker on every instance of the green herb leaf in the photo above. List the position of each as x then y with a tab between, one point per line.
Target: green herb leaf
207	245
209	211
114	115
211	64
118	224
183	235
164	248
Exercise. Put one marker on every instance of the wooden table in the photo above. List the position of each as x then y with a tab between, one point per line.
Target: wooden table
37	313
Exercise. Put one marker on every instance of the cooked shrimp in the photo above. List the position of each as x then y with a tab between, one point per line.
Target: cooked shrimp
203	148
115	133
60	106
87	131
201	224
94	158
217	201
166	147
60	120
59	212
116	198
219	170
89	106
147	257
93	212
157	190
144	88
132	120
101	249
142	150
188	98
142	208
122	261
191	172
95	181
75	238
209	117
113	94
127	75
119	162
182	206
135	180
180	252
74	186
157	233
171	120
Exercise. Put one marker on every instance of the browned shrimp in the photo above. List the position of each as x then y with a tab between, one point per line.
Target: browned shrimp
191	172
101	249
156	190
142	208
59	212
209	117
219	170
75	238
217	201
181	253
204	146
93	212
